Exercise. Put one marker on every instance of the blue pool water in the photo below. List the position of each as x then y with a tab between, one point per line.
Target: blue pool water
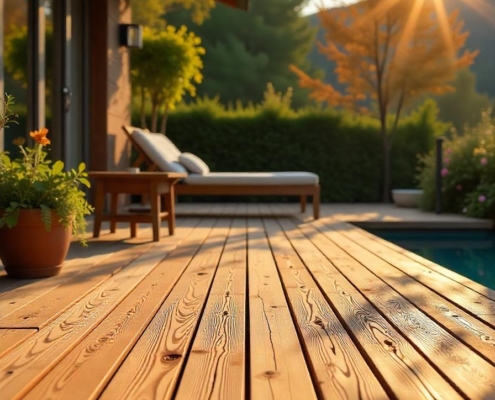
469	253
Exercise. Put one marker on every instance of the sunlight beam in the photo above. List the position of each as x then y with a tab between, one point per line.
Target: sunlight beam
445	30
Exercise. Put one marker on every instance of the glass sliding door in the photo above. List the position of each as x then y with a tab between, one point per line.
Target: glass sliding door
69	81
43	63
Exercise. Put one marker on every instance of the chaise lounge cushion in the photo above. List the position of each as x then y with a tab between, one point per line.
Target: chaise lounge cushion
253	178
160	150
194	164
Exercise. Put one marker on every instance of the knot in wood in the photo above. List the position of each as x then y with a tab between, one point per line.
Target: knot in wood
270	374
201	273
171	357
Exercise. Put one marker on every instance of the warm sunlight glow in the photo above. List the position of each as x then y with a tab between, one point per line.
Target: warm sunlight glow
483	8
443	21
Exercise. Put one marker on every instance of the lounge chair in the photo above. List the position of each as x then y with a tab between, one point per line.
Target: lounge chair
159	153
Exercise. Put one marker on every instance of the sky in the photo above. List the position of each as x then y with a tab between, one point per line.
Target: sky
312	6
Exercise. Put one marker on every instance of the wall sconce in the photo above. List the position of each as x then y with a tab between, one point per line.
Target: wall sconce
131	36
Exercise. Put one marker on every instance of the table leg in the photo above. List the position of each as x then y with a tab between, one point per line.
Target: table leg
304	200
114	201
133	229
170	208
99	204
155	211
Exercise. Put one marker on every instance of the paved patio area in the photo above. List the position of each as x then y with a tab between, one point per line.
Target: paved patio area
370	215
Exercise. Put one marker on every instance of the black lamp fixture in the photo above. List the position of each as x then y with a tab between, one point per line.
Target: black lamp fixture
131	36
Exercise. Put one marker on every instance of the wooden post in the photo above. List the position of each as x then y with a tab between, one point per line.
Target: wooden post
438	180
36	65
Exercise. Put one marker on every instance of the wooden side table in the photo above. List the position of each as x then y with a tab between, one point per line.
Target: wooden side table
153	184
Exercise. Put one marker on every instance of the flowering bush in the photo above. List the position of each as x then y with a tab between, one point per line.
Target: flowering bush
32	181
468	173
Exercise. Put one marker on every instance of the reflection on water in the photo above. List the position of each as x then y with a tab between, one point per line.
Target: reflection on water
469	253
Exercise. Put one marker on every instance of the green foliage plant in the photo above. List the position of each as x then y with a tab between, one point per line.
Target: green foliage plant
6	114
341	147
168	67
34	182
468	173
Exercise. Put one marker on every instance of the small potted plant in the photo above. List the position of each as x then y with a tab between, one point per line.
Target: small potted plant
41	206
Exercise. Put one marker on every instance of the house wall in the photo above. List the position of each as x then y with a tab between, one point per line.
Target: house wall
119	87
110	88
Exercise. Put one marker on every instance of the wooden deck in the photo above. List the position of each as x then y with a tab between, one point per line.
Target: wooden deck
257	305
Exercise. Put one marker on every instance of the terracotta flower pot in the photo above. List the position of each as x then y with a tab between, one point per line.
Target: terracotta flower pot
30	251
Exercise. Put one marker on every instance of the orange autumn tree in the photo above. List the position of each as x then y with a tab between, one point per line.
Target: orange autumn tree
389	51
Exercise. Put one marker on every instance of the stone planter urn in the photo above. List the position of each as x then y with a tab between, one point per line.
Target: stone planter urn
409	198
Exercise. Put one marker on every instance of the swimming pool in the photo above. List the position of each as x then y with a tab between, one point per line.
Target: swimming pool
469	253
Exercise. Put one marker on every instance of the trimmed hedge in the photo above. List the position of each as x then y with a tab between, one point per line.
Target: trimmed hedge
344	151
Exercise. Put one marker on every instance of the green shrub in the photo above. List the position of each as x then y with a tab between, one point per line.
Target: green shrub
468	183
343	149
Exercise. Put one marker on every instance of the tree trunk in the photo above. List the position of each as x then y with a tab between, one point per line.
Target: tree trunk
154	116
164	120
143	104
386	168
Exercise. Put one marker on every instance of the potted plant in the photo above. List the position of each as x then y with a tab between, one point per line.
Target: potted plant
41	206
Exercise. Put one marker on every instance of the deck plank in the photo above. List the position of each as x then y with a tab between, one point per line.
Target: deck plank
475	286
403	369
24	366
461	324
152	368
457	362
338	366
10	338
477	304
277	366
41	311
83	260
84	372
215	368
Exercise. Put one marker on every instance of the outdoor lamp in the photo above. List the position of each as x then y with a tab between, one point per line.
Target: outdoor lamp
131	36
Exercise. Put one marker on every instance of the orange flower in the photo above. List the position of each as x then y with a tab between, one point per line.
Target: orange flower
40	136
19	141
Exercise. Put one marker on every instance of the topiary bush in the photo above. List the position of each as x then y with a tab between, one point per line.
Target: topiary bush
468	173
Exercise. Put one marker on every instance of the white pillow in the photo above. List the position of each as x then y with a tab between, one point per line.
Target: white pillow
194	164
160	150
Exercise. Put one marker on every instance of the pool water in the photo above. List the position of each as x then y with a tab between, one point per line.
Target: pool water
469	253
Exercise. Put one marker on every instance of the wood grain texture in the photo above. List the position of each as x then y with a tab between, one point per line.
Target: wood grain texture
17	293
152	368
215	368
48	306
465	298
23	367
337	364
84	372
10	338
400	365
438	268
278	369
461	324
454	359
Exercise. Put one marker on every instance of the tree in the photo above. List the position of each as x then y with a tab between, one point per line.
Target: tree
16	54
391	51
464	105
151	13
164	70
245	51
